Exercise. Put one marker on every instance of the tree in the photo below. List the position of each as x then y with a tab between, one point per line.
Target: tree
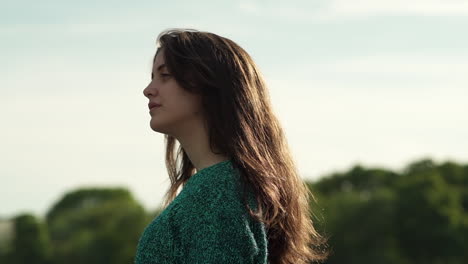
377	216
96	226
30	243
431	214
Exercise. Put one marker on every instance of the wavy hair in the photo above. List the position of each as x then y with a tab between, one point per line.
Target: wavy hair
242	125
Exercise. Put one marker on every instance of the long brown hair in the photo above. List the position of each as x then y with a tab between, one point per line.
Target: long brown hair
242	125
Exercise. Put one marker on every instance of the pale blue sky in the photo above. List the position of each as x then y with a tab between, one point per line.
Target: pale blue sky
375	82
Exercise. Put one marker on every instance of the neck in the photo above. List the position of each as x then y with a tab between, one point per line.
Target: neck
196	145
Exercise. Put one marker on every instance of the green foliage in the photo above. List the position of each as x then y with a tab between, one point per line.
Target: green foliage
96	226
379	216
30	243
431	216
371	215
92	225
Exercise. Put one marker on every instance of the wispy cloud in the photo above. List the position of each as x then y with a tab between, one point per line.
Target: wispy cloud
365	8
411	65
345	9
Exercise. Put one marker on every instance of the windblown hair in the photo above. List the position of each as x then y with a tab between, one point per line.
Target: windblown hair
242	125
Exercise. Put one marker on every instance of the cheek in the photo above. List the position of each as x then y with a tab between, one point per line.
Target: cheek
180	102
195	106
181	109
189	109
188	103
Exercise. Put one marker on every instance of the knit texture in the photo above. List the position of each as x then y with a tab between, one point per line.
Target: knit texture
206	223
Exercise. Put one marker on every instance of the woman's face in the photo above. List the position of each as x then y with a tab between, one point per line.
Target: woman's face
180	110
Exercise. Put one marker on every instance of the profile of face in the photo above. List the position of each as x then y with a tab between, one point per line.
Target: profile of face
179	111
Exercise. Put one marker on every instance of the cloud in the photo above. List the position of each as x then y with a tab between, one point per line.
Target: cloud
366	8
414	65
326	10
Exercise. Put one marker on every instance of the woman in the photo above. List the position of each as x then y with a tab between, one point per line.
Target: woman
242	199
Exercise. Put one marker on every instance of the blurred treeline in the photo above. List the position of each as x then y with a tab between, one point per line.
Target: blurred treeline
371	215
417	216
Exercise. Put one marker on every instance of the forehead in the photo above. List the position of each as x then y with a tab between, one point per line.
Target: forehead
158	59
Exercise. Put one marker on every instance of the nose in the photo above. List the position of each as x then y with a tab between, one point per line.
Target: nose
149	91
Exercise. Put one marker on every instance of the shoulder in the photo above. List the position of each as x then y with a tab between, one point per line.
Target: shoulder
218	184
210	192
212	225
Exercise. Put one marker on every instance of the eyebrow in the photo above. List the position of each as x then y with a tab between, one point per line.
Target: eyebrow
158	69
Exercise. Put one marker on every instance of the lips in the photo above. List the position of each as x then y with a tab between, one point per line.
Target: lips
153	104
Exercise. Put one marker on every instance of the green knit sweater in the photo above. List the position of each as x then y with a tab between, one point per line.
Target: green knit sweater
206	223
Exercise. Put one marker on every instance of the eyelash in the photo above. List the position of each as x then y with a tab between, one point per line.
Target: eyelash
164	75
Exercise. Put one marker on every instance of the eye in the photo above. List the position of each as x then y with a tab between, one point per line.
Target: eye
164	75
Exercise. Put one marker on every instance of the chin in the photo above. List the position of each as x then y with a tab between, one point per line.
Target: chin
157	127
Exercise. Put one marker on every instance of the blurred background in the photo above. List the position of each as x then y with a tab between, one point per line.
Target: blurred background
372	95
